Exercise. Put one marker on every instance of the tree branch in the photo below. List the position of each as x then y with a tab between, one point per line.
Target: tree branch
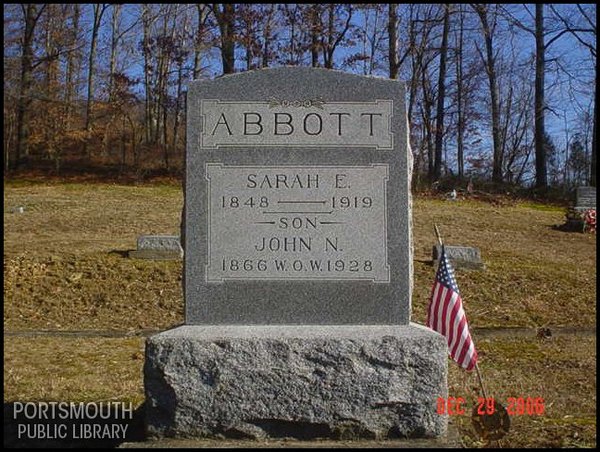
583	13
574	31
513	21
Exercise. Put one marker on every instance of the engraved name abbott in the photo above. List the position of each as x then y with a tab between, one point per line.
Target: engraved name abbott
320	124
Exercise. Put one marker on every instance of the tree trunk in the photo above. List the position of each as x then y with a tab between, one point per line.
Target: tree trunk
541	178
73	65
328	53
314	35
177	105
266	54
393	39
31	17
52	116
292	43
460	140
161	83
98	12
113	49
439	128
332	40
490	66
146	21
427	105
199	38
593	159
226	21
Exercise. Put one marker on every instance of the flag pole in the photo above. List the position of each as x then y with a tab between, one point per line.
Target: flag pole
439	238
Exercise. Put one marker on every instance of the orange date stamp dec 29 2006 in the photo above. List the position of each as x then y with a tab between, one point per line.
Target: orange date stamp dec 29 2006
515	406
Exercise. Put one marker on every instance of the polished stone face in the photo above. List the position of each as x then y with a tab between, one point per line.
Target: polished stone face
586	197
300	123
297	223
297	201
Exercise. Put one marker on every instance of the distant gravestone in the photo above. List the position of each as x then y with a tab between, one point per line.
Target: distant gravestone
461	257
298	266
585	198
157	247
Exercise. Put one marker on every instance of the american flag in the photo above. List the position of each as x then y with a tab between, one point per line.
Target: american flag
447	316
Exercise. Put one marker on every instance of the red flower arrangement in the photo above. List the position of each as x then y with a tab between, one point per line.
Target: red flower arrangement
589	221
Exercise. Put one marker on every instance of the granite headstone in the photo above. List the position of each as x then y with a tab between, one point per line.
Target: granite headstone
585	198
290	200
297	230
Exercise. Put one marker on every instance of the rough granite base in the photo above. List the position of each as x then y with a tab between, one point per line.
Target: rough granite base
305	382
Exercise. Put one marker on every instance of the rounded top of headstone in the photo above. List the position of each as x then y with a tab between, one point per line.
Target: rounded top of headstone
297	75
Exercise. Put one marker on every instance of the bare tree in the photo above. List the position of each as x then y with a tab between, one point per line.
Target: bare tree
368	37
202	37
540	32
335	31
541	177
460	141
268	13
393	40
225	15
31	15
73	63
99	9
439	128
293	20
150	121
582	28
316	28
248	36
488	20
113	47
51	125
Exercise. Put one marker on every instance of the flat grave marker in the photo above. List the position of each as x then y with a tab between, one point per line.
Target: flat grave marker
157	247
461	257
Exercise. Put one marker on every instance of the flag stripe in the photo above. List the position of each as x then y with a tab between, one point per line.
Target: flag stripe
462	335
454	319
449	317
433	305
463	351
442	295
445	319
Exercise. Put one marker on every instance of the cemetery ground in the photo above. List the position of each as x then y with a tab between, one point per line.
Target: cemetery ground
77	309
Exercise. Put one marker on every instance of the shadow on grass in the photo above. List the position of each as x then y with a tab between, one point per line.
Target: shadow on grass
122	253
567	228
71	424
